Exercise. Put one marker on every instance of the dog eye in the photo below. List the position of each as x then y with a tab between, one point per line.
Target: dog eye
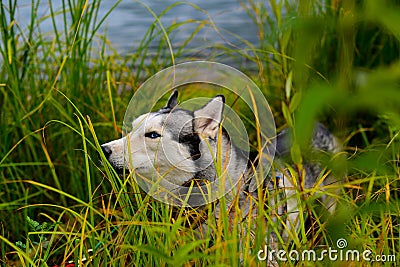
152	135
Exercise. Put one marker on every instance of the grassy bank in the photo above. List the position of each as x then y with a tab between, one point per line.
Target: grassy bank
64	92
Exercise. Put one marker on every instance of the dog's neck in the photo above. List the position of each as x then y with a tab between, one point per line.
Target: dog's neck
230	163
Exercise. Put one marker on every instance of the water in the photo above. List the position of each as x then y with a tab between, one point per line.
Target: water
127	24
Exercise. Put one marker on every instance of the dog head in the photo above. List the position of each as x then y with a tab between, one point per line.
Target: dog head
173	144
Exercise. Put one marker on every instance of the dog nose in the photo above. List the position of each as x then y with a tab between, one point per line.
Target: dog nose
106	150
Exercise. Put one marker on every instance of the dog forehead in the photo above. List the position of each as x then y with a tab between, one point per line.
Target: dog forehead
145	121
178	119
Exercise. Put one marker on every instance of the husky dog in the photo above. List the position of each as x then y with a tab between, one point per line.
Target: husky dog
178	147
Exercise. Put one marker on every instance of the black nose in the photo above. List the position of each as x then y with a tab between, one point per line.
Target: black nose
106	150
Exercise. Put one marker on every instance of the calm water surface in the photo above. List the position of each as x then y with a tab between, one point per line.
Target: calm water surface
128	23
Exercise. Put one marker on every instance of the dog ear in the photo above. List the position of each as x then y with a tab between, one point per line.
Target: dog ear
208	117
172	100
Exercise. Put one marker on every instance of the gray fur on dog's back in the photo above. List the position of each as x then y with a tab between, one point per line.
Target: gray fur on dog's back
322	139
